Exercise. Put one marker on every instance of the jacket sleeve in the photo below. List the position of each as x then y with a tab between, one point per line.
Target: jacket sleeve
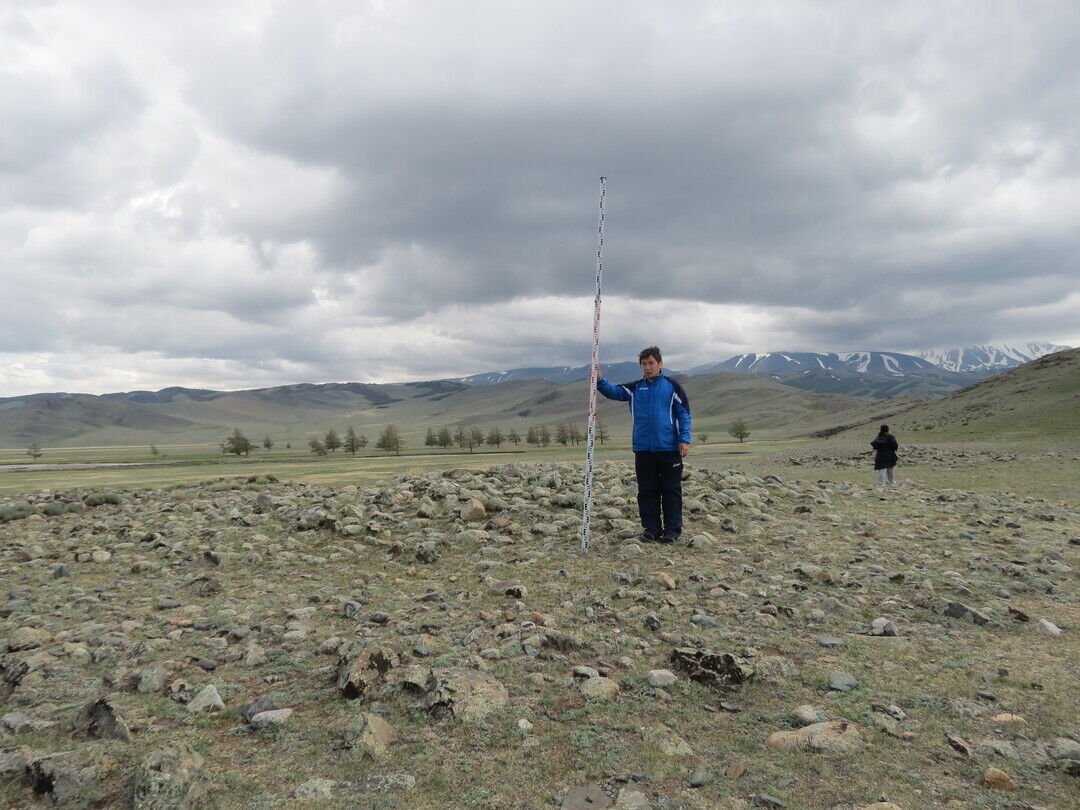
893	444
682	413
610	391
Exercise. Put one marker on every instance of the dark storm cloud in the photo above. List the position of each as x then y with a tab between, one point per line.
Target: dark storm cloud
407	190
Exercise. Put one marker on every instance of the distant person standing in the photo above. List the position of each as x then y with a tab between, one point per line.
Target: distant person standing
660	415
885	448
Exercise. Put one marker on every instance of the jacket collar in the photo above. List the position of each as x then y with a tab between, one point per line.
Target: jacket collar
659	374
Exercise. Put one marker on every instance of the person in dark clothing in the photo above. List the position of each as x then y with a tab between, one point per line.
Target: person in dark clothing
885	448
660	413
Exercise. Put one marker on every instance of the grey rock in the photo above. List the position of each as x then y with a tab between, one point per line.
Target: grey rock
765	800
172	778
101	719
958	610
315	789
841	681
208	700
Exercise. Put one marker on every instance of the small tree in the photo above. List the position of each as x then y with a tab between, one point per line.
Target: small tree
533	436
154	451
34	450
739	430
476	436
363	442
431	440
268	442
495	437
317	447
513	437
702	438
575	433
545	436
601	432
332	440
352	441
445	437
238	443
562	434
390	440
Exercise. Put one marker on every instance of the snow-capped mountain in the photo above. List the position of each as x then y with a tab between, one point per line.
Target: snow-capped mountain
887	363
989	358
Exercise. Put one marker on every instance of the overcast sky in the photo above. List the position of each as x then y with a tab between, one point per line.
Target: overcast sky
243	194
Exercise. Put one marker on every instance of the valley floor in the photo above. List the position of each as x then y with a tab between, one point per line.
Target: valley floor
435	639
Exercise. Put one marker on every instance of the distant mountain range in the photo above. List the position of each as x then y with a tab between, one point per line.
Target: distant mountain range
887	363
990	358
867	375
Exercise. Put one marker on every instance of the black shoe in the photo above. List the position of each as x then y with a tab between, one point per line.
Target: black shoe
648	537
666	537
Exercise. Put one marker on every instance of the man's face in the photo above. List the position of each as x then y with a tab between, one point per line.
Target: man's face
650	367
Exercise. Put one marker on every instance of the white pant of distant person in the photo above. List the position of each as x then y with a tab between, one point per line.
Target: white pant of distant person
886	476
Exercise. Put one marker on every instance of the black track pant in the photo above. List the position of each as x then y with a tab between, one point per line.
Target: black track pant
659	482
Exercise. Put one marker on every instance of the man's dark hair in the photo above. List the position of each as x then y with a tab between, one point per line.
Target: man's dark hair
884	429
652	351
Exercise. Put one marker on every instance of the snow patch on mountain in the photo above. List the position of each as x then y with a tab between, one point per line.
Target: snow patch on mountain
991	357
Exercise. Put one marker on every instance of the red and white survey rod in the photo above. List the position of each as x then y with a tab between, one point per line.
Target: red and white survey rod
591	441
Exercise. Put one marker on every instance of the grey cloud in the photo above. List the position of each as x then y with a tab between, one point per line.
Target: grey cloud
404	178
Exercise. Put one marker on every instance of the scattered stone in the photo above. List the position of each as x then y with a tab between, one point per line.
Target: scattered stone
1005	719
101	719
997	779
369	735
883	627
700	777
632	800
807	715
1049	628
666	741
832	735
315	789
271	717
958	610
261	704
208	700
357	675
468	694
661	677
599	688
765	800
841	681
719	670
586	797
171	778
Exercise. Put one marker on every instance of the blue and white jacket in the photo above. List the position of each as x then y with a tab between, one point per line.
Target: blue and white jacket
659	409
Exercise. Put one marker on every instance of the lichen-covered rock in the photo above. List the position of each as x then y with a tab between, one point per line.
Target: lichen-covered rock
468	694
358	674
102	719
368	735
172	778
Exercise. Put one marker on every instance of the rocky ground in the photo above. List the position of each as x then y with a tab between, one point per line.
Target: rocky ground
440	641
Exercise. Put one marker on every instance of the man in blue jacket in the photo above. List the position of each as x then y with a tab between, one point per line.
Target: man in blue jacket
660	413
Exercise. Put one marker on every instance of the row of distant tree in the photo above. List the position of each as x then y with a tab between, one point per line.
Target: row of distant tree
565	433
